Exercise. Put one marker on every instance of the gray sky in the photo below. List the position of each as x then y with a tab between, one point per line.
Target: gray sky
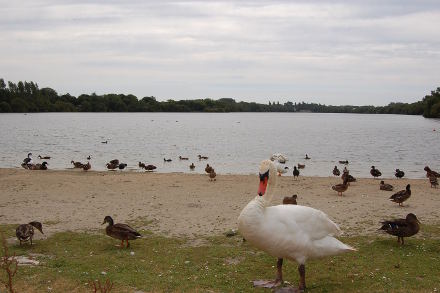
331	52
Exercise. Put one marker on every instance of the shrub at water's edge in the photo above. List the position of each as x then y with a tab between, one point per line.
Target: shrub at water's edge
28	97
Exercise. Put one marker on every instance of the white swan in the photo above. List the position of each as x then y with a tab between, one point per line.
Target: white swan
287	231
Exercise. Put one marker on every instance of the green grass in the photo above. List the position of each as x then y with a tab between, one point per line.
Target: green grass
70	260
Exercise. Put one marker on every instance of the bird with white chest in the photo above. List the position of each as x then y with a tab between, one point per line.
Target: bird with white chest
293	232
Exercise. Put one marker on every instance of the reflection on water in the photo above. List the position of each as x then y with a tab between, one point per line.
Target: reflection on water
234	142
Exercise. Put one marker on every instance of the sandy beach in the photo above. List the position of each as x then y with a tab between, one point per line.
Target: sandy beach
190	205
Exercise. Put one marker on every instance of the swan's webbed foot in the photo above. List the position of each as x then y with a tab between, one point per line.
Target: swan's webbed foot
267	283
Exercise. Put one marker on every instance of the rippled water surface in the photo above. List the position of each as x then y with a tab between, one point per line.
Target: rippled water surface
234	142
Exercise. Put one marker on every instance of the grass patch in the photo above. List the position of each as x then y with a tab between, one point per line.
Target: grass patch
69	261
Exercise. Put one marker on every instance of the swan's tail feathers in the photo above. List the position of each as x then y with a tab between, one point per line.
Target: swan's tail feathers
331	246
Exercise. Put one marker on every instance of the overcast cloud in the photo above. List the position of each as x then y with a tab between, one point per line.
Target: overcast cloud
331	52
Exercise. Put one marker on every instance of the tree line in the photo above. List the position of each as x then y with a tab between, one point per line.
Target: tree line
28	97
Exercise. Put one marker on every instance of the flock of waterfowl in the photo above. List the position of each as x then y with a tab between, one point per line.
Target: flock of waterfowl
287	231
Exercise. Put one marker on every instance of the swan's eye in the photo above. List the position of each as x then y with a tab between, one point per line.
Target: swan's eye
265	175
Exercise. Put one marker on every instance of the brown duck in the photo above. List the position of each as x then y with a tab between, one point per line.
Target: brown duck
434	182
120	231
401	196
340	188
301	166
212	175
76	164
336	171
208	169
192	166
150	168
399	173
111	166
87	166
385	186
375	172
430	172
290	199
402	227
25	232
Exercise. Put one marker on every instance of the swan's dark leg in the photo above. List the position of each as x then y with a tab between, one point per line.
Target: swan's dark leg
302	277
128	244
272	283
279	278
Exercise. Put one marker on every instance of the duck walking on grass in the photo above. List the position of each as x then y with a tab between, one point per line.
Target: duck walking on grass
294	232
401	196
402	227
25	232
120	231
385	186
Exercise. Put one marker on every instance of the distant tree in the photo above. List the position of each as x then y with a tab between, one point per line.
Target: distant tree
5	107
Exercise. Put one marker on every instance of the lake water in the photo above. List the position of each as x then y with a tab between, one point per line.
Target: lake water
234	142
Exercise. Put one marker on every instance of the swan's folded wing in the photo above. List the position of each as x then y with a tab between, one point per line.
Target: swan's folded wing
301	219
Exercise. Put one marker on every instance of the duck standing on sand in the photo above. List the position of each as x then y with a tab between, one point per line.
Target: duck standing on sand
429	172
212	175
385	186
290	199
433	180
141	165
25	232
401	196
287	231
120	231
375	172
399	173
346	174
336	171
402	227
122	166
340	188
295	172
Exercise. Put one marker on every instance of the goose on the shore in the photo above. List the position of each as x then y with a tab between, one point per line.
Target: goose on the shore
401	196
120	231
402	227
385	186
25	232
399	173
336	171
375	172
293	232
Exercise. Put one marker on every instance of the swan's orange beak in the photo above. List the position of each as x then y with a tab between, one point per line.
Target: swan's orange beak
262	187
